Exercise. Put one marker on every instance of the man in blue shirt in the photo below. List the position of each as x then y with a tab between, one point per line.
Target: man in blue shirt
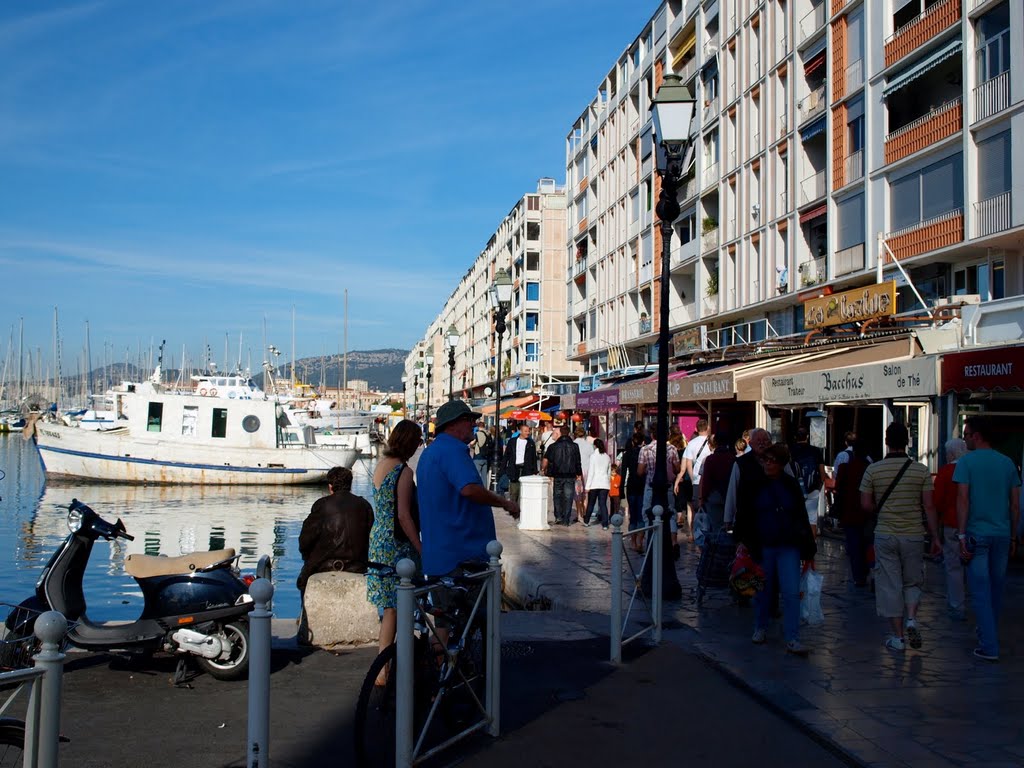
988	510
456	522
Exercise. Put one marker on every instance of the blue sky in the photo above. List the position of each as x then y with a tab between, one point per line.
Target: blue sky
182	170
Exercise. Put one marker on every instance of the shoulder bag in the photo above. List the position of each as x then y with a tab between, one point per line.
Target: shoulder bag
686	484
870	525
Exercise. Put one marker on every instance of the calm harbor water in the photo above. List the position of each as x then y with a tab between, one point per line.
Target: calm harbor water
163	519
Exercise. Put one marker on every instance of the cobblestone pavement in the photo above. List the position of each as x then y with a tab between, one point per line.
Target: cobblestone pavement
938	706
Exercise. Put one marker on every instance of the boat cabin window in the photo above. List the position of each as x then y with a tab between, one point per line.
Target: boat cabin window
155	417
189	420
220	422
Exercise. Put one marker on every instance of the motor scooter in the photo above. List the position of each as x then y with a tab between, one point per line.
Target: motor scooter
196	604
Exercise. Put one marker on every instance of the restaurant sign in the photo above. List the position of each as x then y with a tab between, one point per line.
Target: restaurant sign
598	400
692	340
853	306
709	386
897	378
1000	369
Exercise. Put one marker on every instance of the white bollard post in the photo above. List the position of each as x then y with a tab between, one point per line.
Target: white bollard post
258	756
492	664
50	629
616	628
658	577
405	607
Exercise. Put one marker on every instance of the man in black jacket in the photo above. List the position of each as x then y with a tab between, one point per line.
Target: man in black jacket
336	535
520	460
562	463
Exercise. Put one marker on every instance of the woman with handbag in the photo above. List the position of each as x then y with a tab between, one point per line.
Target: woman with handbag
771	521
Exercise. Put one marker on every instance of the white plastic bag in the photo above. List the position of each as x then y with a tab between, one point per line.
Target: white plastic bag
810	597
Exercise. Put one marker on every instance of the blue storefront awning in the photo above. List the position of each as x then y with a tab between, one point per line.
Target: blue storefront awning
812	130
907	76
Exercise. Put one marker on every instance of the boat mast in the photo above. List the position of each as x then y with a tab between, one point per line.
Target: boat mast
56	360
292	385
344	362
88	360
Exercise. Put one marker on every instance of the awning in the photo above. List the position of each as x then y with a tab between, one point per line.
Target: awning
687	46
814	50
508	403
997	369
900	377
601	399
814	64
812	130
814	213
895	82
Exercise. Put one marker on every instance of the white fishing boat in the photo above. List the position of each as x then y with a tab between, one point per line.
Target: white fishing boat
168	437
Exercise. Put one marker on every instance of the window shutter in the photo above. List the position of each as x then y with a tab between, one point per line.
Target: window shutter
851	222
994	175
942	187
905	196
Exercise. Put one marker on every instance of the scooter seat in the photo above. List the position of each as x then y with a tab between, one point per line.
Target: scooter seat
146	566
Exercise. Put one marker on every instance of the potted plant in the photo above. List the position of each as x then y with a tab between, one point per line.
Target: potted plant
711	288
709	224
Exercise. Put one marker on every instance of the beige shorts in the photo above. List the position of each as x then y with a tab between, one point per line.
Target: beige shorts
899	569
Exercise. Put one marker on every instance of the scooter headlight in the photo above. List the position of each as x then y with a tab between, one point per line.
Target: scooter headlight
74	520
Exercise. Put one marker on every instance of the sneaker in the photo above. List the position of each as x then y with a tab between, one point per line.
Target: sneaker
759	636
913	635
896	644
980	654
797	648
586	523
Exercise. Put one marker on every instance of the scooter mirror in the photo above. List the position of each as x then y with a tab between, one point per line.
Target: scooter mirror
74	520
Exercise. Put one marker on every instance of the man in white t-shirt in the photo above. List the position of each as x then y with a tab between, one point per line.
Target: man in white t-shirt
586	446
697	450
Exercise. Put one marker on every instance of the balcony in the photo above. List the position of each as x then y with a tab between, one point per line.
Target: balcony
940	232
812	188
688	70
579	267
685	253
921	29
730	159
783	49
710	109
581	349
644	326
755	143
709	305
730	229
812	104
854	76
711	46
812	22
711	175
709	240
934	126
688	189
813	271
849	259
993	215
854	167
992	96
783	124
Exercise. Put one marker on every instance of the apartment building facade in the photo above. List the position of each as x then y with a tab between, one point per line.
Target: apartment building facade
529	243
819	149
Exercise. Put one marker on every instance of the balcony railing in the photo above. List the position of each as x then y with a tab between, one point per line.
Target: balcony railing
783	202
993	215
939	232
710	304
811	104
711	46
711	175
921	29
710	108
783	124
756	67
812	188
645	325
709	240
926	130
854	167
688	189
992	96
755	143
731	159
813	271
783	49
849	259
854	75
579	267
812	21
689	70
730	231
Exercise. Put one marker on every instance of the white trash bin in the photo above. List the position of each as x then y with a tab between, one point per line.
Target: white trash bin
533	503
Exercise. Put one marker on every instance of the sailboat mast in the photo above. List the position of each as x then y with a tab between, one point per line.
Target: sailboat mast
88	360
293	346
344	363
21	359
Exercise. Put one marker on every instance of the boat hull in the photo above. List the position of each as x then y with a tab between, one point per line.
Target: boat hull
118	457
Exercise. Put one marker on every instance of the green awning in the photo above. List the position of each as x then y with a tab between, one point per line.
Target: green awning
907	76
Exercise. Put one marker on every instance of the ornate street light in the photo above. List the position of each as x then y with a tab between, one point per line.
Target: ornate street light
429	357
405	395
500	295
672	113
452	340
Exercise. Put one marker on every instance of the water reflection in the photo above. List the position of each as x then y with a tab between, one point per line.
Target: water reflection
169	520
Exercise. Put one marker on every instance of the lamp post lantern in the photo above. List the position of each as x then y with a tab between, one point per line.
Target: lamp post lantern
429	357
500	295
452	341
671	114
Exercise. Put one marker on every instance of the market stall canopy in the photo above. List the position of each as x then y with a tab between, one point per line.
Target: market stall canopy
997	369
512	402
527	415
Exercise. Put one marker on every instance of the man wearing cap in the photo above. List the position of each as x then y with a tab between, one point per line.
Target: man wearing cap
456	522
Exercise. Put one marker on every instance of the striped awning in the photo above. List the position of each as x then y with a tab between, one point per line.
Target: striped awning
814	213
814	64
812	130
907	76
687	46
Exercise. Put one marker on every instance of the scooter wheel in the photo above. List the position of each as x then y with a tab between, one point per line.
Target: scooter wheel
236	665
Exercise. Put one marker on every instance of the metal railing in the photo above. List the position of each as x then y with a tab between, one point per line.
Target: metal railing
741	333
653	552
992	96
854	75
854	166
783	123
812	104
813	271
711	46
710	108
783	49
849	259
407	746
731	159
579	267
709	240
730	231
952	104
950	214
756	142
688	70
644	325
258	750
711	175
813	187
994	214
915	21
812	22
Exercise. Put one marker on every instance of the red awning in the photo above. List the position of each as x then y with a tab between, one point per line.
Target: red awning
998	369
814	213
815	64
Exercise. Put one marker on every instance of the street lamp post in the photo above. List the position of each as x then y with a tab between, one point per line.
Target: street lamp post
452	340
429	357
405	395
500	296
671	113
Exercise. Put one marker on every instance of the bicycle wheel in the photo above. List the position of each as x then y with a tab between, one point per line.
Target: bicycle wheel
464	703
12	745
374	728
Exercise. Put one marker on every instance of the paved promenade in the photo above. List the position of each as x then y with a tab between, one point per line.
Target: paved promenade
934	707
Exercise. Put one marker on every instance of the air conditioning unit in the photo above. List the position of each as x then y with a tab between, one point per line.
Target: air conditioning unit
955	301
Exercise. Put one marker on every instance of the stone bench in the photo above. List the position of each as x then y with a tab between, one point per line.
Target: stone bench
337	611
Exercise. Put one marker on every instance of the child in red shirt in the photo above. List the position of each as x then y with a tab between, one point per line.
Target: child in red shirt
614	492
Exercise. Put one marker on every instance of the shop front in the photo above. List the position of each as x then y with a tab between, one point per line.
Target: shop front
863	398
988	382
710	395
599	407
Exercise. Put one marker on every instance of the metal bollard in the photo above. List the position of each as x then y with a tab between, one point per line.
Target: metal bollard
492	694
616	635
258	753
658	576
405	607
50	629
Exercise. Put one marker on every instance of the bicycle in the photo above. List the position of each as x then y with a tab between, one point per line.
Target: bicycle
449	679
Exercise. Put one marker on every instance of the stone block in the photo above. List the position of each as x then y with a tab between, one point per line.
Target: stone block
337	611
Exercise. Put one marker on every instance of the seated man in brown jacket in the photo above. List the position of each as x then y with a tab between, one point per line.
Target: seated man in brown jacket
336	535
